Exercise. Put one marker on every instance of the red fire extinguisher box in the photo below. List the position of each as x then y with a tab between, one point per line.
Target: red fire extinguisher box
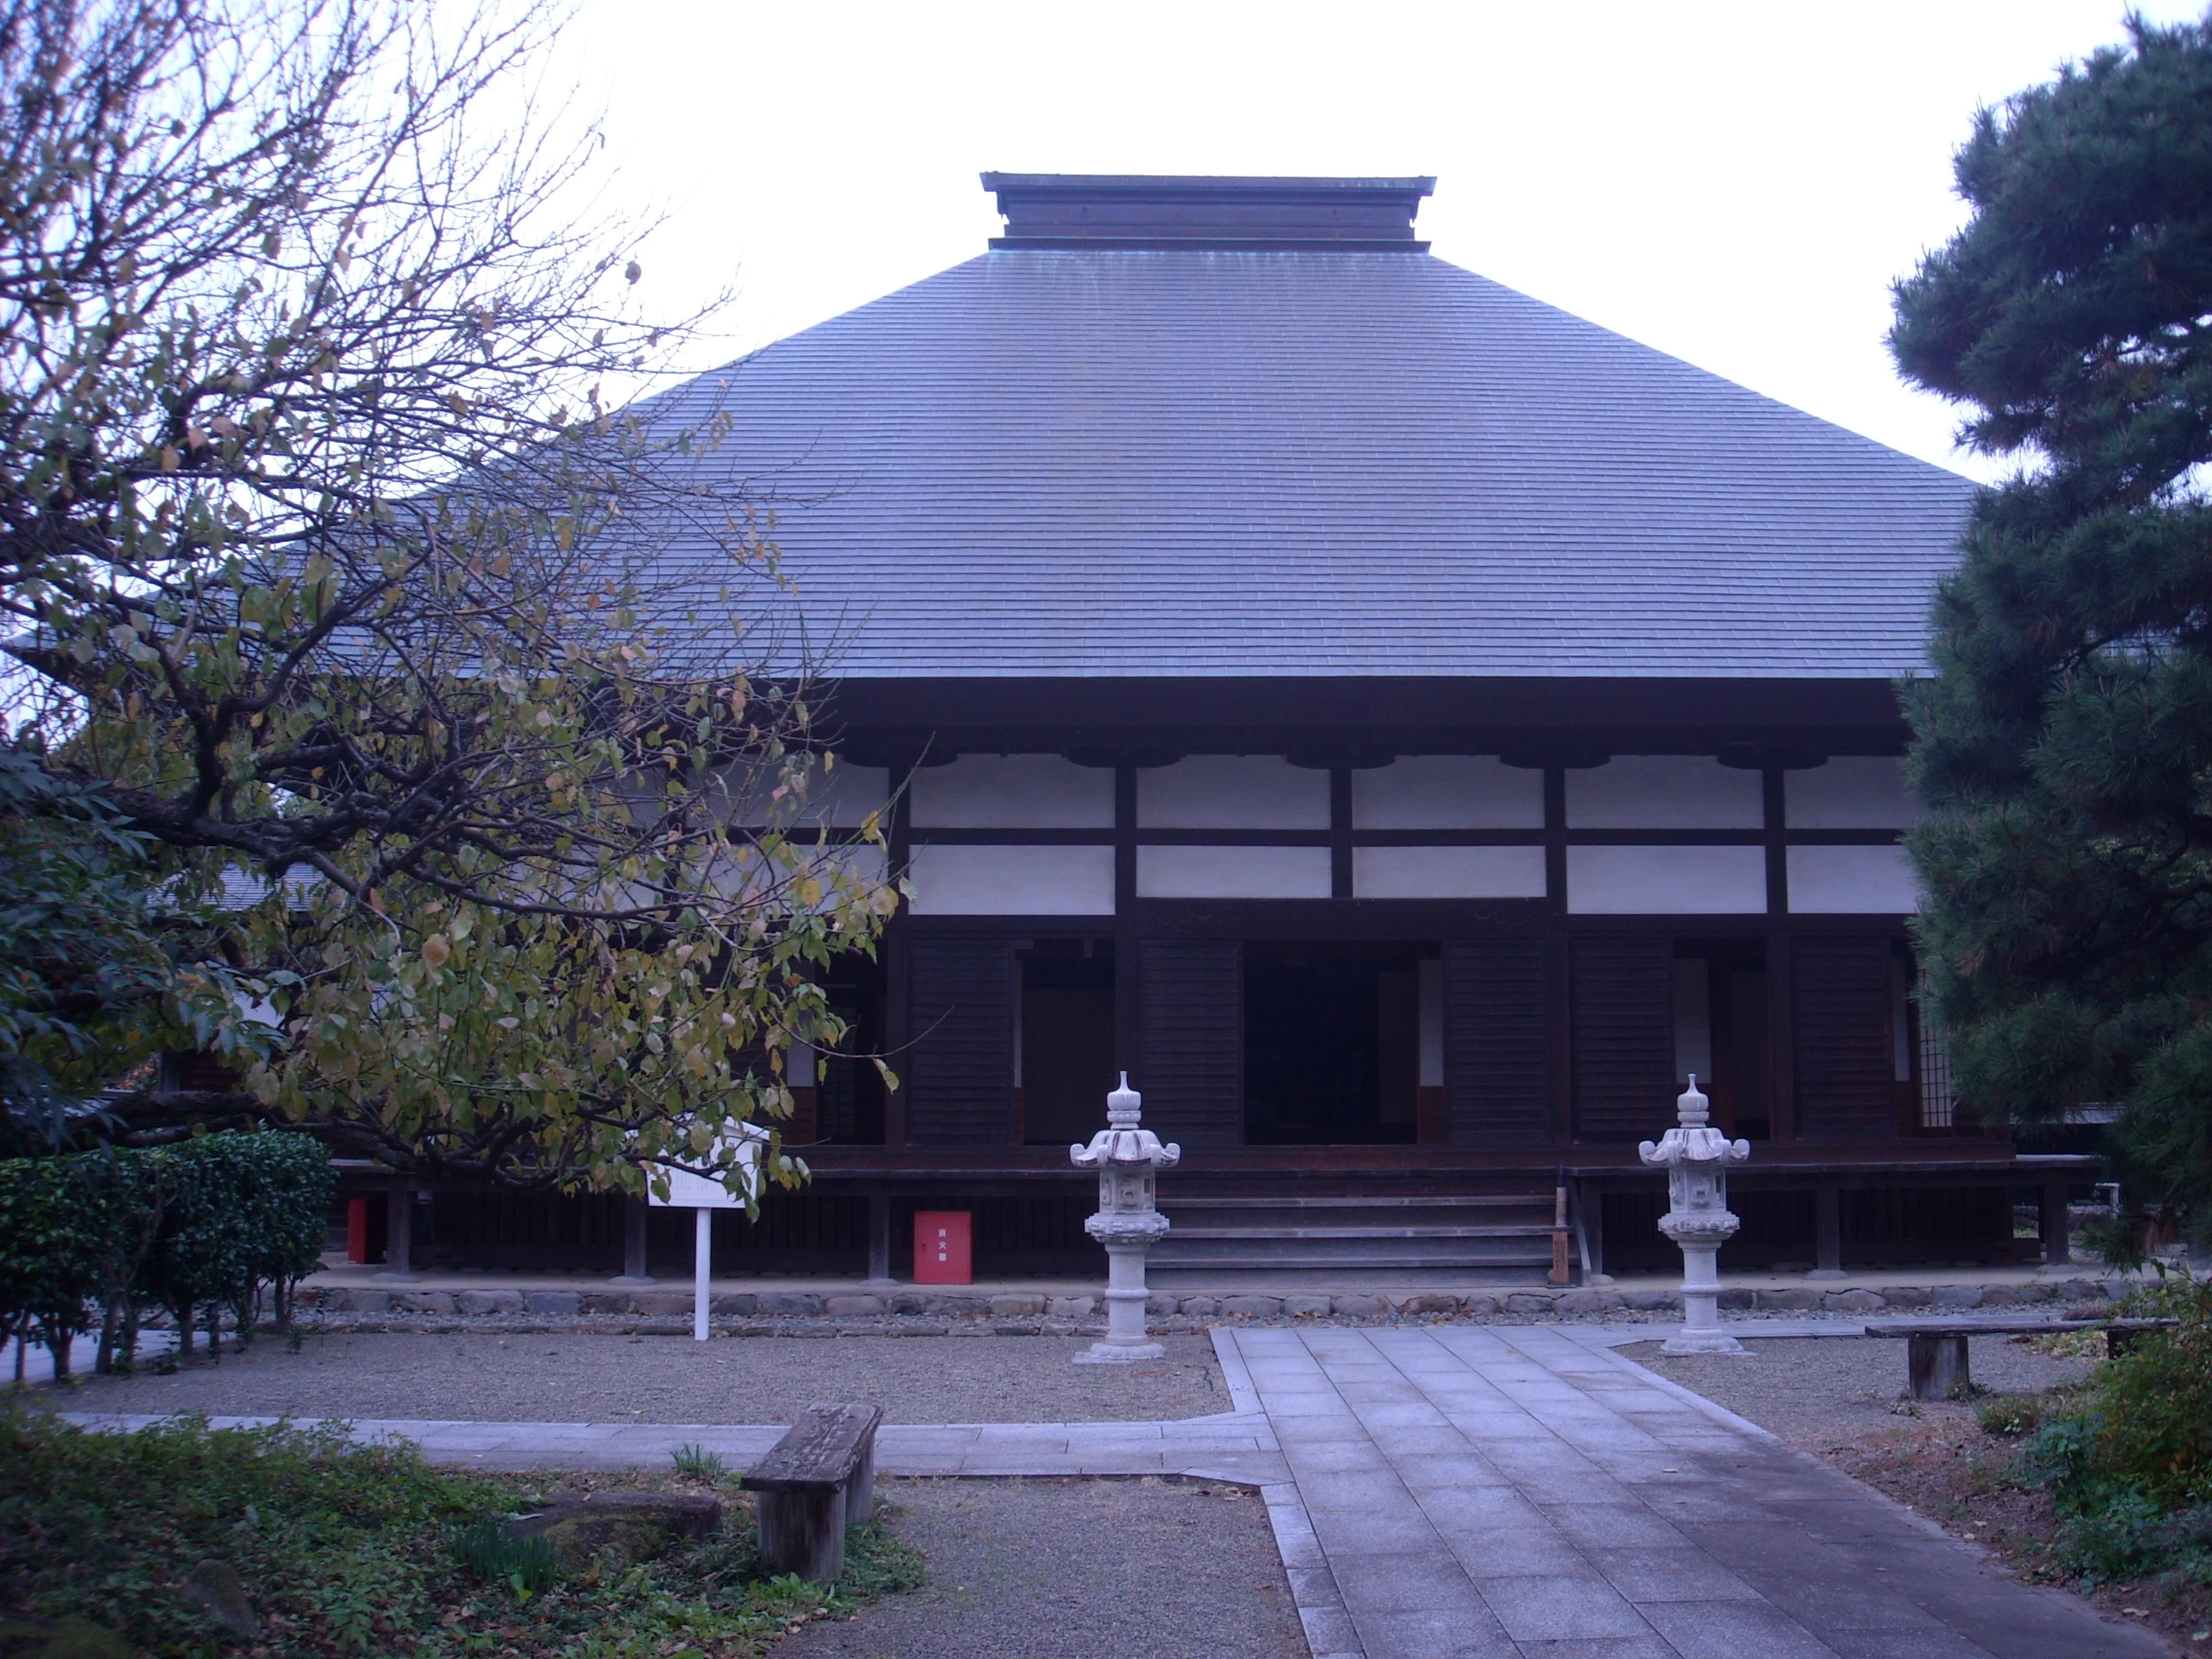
365	1223
943	1243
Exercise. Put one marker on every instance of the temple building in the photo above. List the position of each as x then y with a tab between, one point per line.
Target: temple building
1408	728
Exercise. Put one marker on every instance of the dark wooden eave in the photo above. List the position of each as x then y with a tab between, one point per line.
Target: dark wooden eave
890	719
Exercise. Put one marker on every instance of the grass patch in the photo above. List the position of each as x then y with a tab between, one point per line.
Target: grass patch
347	1549
2067	1345
2008	1416
694	1463
525	1566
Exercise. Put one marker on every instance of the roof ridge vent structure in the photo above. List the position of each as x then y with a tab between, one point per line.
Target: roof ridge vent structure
1127	210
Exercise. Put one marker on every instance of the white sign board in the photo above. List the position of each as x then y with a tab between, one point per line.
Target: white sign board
693	1189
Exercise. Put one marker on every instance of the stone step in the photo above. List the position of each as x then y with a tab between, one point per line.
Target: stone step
1295	1258
1524	1229
1190	1255
1392	1202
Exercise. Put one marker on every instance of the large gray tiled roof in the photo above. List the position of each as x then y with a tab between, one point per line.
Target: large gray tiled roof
1109	461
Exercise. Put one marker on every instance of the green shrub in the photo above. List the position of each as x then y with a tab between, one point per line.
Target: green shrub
2131	1471
203	1224
2156	1398
73	1232
104	1525
242	1211
2116	1240
361	1550
43	1267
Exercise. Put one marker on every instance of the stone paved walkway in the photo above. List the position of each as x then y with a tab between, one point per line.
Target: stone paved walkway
1471	1492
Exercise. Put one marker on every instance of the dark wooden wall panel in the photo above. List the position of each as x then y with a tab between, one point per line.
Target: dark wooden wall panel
1841	1056
1622	989
1496	1042
960	1073
1191	999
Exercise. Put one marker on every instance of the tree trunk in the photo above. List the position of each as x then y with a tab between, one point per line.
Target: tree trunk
110	1317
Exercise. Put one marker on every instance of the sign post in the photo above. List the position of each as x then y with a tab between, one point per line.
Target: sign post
704	1191
702	1269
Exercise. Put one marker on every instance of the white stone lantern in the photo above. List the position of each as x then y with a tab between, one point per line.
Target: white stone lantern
1697	1158
1128	1160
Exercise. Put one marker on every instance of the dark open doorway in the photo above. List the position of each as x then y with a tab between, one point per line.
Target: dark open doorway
1332	1043
849	1100
1721	1033
1064	1057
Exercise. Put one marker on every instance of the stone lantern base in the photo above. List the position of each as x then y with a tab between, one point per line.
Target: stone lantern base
1701	1331
1126	1339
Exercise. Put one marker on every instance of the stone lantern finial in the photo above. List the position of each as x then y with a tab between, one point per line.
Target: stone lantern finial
1690	1106
1124	1107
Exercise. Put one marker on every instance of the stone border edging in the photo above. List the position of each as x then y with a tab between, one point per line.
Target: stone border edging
346	1305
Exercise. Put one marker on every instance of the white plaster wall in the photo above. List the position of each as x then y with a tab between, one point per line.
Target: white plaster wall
1860	881
1415	872
1447	791
1665	881
1852	792
839	796
1012	881
748	871
1232	872
1232	791
1664	791
1012	792
845	796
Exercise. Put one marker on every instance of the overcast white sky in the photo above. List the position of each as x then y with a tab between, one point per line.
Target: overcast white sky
1734	183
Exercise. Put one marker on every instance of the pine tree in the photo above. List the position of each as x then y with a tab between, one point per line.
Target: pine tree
2064	745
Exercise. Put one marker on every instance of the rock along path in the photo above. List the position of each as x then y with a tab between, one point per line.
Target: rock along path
1483	1492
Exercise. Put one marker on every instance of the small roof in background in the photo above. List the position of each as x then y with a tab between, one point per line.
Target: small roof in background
1222	427
1062	209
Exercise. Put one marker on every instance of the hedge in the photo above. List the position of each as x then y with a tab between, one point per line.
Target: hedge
91	1239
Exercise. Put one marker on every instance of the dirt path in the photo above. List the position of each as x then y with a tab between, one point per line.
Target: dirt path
573	1378
1075	1569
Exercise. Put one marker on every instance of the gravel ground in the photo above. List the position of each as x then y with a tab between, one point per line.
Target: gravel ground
1815	1391
1075	1569
573	1378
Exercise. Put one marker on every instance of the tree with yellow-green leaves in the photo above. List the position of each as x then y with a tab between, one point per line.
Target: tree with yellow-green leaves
471	838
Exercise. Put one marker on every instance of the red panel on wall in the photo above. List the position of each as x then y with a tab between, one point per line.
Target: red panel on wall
944	1245
365	1223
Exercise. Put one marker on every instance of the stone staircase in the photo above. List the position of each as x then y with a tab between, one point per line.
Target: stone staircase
1505	1235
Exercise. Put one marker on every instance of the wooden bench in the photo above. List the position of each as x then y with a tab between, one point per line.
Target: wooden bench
819	1480
1936	1354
